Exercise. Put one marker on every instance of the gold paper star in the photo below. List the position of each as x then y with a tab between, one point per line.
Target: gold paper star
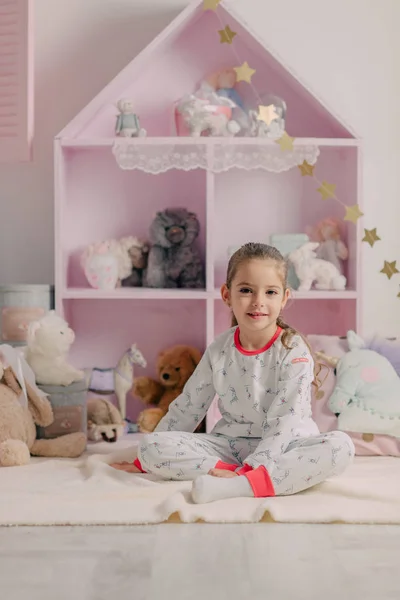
227	35
327	190
211	4
307	169
286	142
390	269
371	237
353	213
244	73
267	114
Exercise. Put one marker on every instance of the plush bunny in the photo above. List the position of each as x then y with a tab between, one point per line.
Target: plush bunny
310	269
22	407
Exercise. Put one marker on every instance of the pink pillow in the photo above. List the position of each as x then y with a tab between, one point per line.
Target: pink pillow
365	444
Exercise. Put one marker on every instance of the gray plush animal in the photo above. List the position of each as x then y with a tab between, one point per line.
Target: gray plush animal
173	260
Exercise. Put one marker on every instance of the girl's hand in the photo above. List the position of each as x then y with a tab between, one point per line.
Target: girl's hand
125	466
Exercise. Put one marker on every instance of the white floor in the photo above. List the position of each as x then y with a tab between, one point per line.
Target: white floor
201	562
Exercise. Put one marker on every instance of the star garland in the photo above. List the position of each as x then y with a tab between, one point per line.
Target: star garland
267	114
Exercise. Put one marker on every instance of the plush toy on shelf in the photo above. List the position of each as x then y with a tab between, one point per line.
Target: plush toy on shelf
310	269
111	263
22	407
127	124
175	366
123	375
48	343
174	261
331	246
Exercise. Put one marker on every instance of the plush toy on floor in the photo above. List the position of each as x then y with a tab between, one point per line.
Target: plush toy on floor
104	421
174	261
123	375
174	367
310	269
366	398
48	342
22	407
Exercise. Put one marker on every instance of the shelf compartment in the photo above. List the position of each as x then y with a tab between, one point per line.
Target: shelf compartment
102	201
105	329
251	206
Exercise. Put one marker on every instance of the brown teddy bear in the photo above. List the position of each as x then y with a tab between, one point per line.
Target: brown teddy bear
175	365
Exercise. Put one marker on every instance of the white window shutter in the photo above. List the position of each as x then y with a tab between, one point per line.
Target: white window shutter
16	80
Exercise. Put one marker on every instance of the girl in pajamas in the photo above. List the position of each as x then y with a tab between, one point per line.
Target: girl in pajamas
266	442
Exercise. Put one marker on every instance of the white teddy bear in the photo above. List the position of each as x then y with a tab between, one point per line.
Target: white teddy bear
310	269
48	342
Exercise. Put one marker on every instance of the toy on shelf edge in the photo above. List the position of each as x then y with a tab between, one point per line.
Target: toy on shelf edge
127	124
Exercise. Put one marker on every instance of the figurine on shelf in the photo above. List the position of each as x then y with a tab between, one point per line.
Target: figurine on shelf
276	129
127	124
174	261
223	84
310	269
331	247
123	375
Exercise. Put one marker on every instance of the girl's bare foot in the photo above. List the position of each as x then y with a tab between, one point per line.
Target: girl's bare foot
222	473
125	466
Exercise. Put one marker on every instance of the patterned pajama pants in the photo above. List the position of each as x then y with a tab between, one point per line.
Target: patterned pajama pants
306	462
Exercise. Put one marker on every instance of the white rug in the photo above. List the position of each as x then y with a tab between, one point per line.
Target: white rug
87	491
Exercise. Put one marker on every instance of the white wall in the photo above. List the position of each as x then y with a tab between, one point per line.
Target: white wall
348	51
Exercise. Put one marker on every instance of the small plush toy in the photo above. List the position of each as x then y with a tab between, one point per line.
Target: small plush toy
48	342
138	253
104	421
366	398
101	266
223	83
174	262
22	407
310	269
331	247
174	367
127	124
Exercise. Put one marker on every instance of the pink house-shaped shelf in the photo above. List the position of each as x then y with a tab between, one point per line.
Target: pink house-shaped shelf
237	199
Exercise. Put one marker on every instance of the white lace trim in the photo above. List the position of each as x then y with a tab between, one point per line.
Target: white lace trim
217	157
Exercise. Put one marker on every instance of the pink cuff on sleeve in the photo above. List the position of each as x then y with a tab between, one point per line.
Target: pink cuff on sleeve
137	464
260	482
225	466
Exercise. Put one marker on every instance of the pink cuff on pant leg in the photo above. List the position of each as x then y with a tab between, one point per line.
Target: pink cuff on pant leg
137	464
260	482
243	470
225	466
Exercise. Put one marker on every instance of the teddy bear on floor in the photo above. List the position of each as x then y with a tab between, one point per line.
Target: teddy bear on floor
174	367
22	407
174	261
48	342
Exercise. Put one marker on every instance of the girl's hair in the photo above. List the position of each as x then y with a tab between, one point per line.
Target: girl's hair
258	251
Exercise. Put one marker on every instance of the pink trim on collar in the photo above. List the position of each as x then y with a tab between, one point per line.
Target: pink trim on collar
254	352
